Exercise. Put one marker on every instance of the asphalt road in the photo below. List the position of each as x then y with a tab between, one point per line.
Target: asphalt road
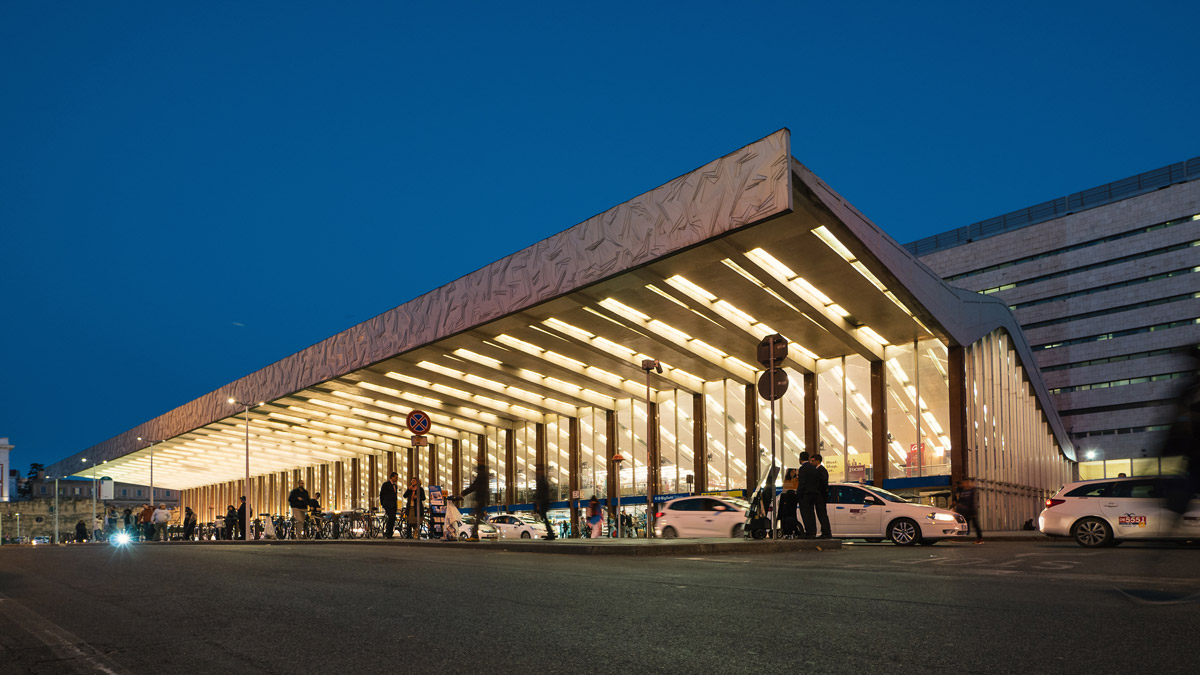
1004	607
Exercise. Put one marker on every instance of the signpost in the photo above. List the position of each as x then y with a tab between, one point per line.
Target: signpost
771	386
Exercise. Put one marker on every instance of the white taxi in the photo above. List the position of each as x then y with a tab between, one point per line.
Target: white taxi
518	527
701	516
1107	512
858	511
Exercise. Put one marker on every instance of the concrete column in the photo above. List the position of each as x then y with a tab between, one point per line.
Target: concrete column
574	454
753	460
339	490
355	482
610	449
510	467
812	433
699	444
653	454
372	480
455	467
879	425
433	461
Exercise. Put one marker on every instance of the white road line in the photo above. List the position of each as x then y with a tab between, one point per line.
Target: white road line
79	653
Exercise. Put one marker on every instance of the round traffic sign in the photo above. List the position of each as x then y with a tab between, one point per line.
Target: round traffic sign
418	422
773	384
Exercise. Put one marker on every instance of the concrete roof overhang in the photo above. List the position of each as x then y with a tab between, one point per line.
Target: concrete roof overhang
693	273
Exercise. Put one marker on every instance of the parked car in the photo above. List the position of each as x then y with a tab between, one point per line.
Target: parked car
1108	512
701	516
41	540
486	531
518	527
858	511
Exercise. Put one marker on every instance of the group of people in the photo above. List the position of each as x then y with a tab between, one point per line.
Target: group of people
804	491
146	524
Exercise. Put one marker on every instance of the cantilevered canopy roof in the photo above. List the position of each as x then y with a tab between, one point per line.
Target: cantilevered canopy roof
694	273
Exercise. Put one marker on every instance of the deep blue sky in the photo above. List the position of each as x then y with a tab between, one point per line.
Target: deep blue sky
191	191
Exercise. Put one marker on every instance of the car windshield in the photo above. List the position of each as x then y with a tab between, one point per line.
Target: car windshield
740	503
884	494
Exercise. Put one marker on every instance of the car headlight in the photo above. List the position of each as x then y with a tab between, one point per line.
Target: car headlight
932	515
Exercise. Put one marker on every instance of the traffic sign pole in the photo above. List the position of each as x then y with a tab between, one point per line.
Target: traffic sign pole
773	384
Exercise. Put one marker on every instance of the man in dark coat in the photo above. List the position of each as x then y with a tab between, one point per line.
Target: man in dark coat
387	500
541	500
481	487
242	520
298	500
807	490
822	487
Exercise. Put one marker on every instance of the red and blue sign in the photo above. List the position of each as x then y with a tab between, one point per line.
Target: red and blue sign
419	422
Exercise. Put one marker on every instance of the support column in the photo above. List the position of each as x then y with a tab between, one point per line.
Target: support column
339	482
481	460
355	481
510	467
699	444
812	434
753	459
610	449
957	374
653	454
455	467
433	462
372	480
391	463
879	425
573	459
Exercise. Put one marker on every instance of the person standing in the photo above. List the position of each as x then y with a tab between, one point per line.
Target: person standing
245	533
298	500
806	479
595	518
822	487
161	517
145	524
964	505
414	507
387	500
111	522
230	522
541	501
98	528
788	505
189	523
127	521
481	488
80	532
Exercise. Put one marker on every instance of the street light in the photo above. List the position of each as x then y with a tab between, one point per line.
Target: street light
92	525
152	444
246	408
650	365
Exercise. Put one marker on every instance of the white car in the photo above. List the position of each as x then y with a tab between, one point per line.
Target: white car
701	516
486	531
518	527
1107	512
859	511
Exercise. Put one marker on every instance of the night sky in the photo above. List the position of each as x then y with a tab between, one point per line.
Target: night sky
192	191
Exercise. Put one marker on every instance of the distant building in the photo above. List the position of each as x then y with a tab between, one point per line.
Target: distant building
8	475
124	494
1105	286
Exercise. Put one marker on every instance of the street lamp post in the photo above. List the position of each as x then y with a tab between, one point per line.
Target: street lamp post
57	540
92	524
18	527
650	365
152	444
246	486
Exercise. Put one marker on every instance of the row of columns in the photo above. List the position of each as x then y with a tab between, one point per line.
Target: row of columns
269	493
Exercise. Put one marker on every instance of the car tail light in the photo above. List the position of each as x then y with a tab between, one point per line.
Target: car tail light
660	514
1054	502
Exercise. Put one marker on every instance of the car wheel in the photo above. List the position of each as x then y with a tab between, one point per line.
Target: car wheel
1092	533
759	533
737	531
669	533
462	536
927	542
525	535
904	532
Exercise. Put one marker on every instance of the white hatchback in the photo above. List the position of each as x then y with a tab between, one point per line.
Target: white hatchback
859	511
517	527
1107	512
701	516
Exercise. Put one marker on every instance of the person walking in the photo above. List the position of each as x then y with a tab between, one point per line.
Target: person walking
298	500
387	500
822	487
245	533
98	528
481	488
541	501
80	532
965	506
127	521
806	479
414	507
595	518
189	523
160	518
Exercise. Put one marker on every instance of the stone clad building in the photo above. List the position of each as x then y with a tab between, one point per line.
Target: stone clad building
1105	284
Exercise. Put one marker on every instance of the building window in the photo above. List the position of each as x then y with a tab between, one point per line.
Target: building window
76	490
125	492
139	493
43	489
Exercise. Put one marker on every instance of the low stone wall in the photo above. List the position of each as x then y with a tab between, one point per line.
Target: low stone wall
37	517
